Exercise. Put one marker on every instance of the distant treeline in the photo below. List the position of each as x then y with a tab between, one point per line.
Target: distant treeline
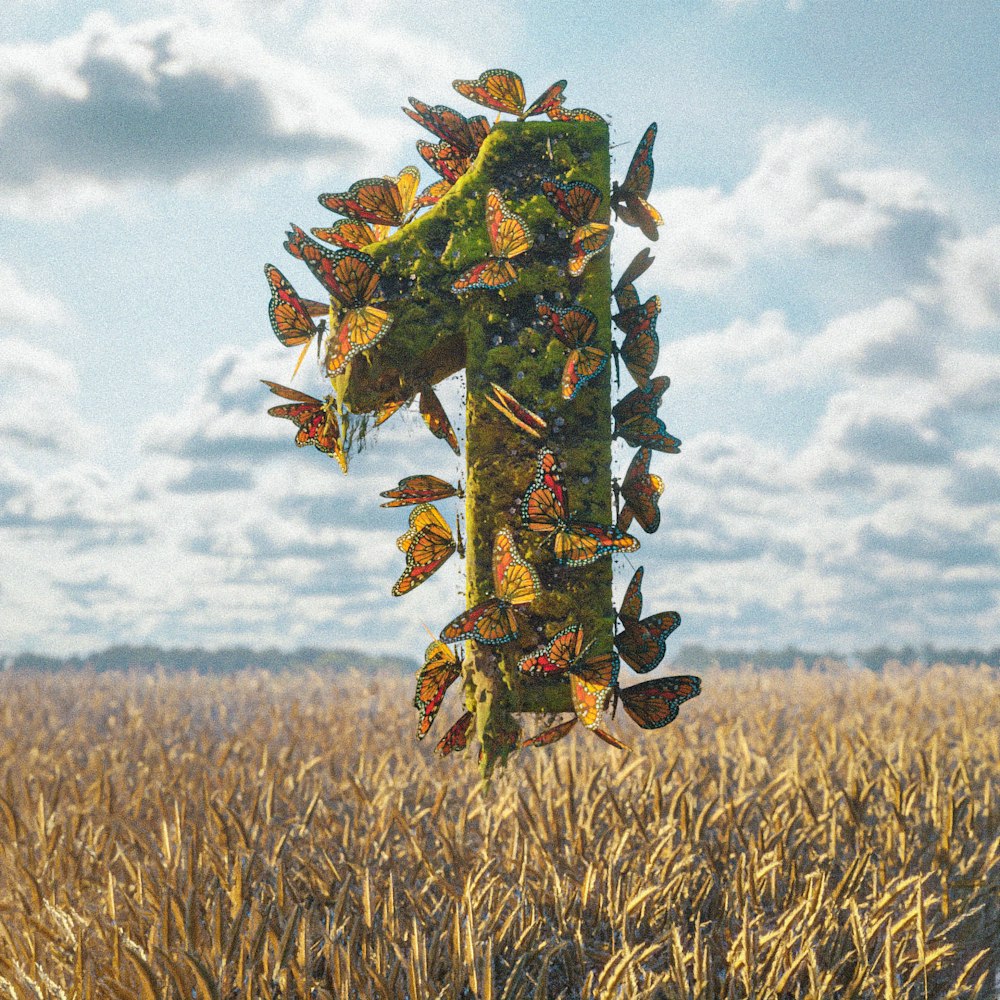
693	656
221	661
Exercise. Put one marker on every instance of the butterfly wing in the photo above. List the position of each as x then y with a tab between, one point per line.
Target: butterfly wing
440	669
642	491
640	351
427	545
587	242
577	201
631	606
466	134
433	193
351	233
653	704
560	114
556	656
551	735
457	738
647	431
445	159
315	419
639	176
491	623
543	506
500	89
551	97
643	644
579	544
436	419
515	412
629	199
290	319
637	267
582	366
509	236
493	274
418	489
384	201
591	686
516	580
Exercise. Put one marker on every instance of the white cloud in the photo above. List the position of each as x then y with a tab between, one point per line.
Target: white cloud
162	100
968	268
810	189
22	306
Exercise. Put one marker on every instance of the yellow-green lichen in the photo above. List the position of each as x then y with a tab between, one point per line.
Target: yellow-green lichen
497	338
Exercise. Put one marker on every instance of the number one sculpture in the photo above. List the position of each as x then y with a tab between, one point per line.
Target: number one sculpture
505	273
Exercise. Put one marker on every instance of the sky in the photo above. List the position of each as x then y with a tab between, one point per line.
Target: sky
829	267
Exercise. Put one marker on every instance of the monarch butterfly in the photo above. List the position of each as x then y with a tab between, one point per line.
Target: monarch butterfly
519	415
561	114
575	327
351	277
443	158
436	419
351	233
558	655
457	738
637	267
576	543
642	491
509	237
493	622
433	193
290	315
580	203
427	544
577	201
643	643
466	134
503	90
591	679
317	423
440	669
641	347
420	489
587	242
653	704
629	199
636	421
386	201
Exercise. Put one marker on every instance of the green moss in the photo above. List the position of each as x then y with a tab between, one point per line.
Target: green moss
497	338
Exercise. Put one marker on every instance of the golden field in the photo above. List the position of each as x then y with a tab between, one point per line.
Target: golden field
828	833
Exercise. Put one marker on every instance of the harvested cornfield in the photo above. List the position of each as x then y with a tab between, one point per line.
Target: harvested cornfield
826	833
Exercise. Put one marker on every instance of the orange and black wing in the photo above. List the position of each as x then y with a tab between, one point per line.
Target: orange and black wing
419	489
436	419
457	738
440	669
653	704
643	644
518	414
290	317
427	545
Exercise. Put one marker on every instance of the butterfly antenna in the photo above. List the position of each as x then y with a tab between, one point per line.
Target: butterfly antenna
428	631
618	370
459	541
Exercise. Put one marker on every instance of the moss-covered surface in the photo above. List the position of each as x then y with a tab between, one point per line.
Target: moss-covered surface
497	337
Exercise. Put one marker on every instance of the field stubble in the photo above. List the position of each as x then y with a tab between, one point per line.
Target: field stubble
794	834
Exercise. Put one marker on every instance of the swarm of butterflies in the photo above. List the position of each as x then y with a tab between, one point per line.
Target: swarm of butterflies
353	319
